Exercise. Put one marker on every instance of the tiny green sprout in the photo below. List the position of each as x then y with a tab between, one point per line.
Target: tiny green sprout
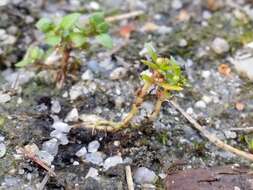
164	76
163	137
67	35
249	141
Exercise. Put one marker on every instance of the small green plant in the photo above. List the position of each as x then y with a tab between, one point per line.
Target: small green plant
65	36
163	137
249	141
164	76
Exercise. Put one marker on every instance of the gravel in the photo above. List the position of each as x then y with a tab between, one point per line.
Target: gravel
56	106
93	146
4	2
62	137
220	45
72	116
4	98
2	150
93	173
95	158
118	73
51	146
22	75
82	152
76	91
112	161
242	61
87	75
61	127
200	104
144	175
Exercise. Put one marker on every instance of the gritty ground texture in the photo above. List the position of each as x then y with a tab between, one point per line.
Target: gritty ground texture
210	39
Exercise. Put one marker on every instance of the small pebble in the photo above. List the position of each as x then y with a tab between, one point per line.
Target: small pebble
61	127
2	150
189	111
164	30
118	73
220	45
93	172
116	143
65	94
95	158
1	137
243	65
230	134
56	106
143	175
4	2
4	98
72	115
60	136
119	101
112	161
94	5
183	43
51	146
93	146
176	4
200	104
205	74
206	15
19	100
76	163
87	75
207	99
81	152
75	92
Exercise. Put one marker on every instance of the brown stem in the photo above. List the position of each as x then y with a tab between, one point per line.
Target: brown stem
136	105
157	109
158	105
64	66
211	137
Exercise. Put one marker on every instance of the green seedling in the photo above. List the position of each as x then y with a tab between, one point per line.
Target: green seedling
165	77
163	137
67	35
249	141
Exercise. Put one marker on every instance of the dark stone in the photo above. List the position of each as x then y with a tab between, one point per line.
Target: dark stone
116	171
90	184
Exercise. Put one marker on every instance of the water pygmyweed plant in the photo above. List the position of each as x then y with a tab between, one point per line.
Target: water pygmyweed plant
249	141
64	36
164	76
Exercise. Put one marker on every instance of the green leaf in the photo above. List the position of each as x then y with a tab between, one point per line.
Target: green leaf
52	39
78	39
23	63
44	25
102	28
36	53
97	18
69	21
147	78
151	51
150	64
105	40
167	86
